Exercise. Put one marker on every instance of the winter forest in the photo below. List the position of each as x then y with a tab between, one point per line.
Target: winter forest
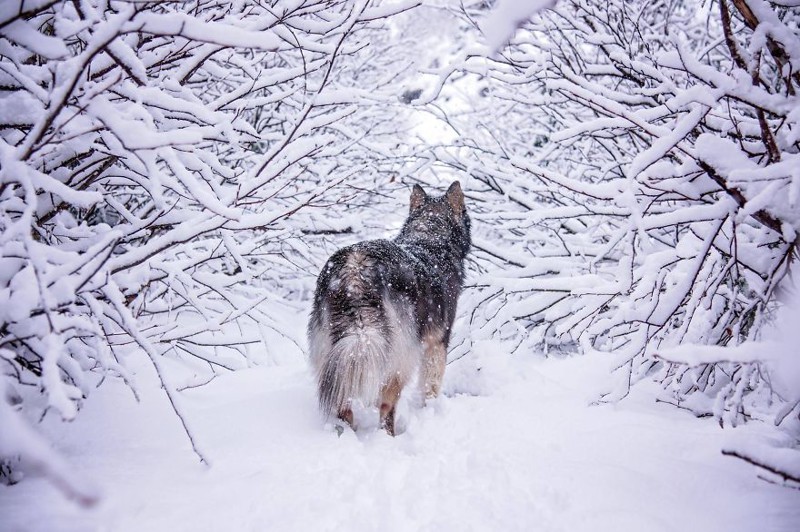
174	175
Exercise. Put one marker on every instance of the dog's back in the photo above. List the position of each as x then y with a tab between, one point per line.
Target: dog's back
384	308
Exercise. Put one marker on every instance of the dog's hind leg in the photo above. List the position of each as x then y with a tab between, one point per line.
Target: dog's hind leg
433	364
346	415
390	393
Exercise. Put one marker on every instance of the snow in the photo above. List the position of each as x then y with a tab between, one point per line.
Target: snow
18	438
785	336
697	355
506	17
171	180
23	34
210	32
20	108
513	445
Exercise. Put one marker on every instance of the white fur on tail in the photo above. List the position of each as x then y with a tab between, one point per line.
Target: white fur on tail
354	369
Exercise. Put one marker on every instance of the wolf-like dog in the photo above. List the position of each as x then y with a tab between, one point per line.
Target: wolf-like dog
383	310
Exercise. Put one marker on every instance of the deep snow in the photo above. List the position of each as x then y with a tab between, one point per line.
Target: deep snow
514	445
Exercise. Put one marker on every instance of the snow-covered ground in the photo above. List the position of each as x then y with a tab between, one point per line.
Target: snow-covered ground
513	445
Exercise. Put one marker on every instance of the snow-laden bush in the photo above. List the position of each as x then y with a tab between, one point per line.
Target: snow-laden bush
159	162
638	163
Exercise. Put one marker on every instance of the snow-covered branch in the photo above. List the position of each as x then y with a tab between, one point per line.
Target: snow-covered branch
638	190
159	162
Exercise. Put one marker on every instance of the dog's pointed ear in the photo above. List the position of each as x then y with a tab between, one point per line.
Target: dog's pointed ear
455	197
418	197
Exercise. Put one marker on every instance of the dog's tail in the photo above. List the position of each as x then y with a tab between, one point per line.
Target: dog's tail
350	333
352	370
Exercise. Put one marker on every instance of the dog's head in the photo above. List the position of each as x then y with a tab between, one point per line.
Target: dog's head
442	216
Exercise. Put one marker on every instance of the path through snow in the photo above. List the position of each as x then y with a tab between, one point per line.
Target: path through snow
514	446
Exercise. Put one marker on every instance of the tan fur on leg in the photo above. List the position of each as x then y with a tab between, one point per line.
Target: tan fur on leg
346	415
390	393
433	365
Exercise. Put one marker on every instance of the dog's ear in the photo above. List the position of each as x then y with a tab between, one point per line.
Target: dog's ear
418	197
455	198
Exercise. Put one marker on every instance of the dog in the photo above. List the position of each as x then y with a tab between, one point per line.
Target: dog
383	310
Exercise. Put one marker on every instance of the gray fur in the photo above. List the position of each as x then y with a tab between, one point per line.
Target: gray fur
377	300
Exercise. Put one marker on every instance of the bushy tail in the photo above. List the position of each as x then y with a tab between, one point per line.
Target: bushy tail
354	329
352	368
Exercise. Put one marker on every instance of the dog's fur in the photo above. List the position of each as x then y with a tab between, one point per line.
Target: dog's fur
383	309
